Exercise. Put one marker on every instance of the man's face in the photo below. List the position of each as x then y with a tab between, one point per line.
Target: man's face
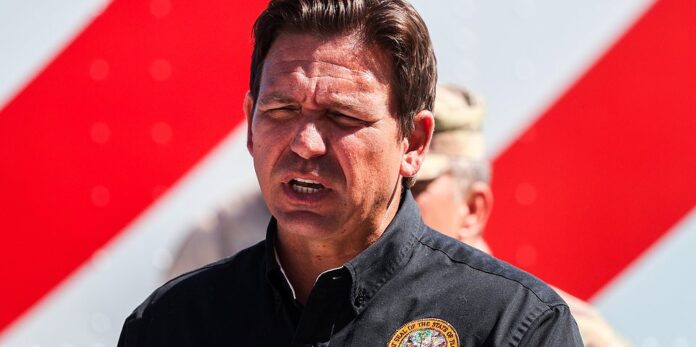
324	137
456	208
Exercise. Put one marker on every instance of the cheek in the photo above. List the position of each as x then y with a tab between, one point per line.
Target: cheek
264	133
370	162
266	151
268	139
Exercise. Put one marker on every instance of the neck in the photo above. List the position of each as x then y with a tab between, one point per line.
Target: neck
303	262
304	259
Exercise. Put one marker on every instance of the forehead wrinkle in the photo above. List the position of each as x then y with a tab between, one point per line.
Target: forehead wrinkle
315	69
320	76
321	87
352	44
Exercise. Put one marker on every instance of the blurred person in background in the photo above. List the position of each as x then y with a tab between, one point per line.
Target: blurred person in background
236	226
454	195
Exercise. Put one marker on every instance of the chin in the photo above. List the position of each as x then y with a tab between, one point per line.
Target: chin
306	224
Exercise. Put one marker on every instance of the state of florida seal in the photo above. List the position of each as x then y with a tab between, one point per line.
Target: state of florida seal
427	332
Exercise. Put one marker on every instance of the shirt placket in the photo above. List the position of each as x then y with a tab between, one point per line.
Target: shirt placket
322	316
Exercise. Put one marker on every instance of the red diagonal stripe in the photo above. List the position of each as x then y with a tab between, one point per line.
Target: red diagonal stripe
140	96
609	168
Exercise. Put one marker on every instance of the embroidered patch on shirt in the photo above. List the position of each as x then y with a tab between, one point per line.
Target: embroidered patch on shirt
427	332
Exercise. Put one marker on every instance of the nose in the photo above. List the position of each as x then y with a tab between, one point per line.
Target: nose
308	142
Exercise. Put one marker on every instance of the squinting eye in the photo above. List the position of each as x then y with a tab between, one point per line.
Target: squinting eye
346	120
281	113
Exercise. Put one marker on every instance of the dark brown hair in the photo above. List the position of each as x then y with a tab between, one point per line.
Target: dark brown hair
392	25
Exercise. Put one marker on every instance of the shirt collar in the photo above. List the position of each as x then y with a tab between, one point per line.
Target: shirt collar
374	266
274	272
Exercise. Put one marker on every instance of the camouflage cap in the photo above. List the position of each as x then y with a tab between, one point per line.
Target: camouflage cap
458	131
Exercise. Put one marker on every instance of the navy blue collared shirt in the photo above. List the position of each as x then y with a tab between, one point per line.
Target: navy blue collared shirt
412	287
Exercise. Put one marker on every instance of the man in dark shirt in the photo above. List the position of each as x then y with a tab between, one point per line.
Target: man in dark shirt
339	121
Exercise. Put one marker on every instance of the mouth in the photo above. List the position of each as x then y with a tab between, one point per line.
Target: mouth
305	186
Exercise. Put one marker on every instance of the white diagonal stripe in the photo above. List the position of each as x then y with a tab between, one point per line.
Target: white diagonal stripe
522	54
32	32
653	301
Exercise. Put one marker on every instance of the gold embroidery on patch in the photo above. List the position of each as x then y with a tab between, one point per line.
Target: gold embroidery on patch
427	332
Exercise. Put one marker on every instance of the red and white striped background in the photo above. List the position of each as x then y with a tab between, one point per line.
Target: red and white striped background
121	125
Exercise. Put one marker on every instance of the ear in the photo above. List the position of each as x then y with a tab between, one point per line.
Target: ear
249	113
416	145
479	202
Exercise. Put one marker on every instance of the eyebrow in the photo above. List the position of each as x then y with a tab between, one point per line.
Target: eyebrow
346	101
337	103
276	99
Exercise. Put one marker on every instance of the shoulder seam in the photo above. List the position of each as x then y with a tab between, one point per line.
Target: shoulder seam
548	305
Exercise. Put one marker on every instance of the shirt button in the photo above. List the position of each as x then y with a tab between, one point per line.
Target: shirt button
359	300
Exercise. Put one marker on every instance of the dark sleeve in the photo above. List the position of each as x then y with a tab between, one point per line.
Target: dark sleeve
554	327
130	332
